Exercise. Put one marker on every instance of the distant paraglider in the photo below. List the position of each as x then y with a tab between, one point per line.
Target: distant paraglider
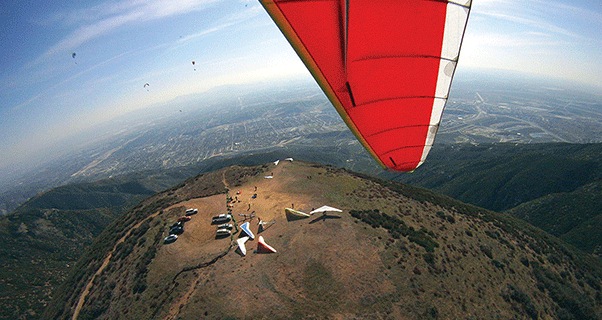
193	63
73	56
146	85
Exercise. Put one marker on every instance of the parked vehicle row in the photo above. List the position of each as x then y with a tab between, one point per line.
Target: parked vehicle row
177	227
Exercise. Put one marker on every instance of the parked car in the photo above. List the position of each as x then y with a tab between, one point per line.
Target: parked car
190	212
222	233
176	230
222	218
177	224
170	238
184	219
228	226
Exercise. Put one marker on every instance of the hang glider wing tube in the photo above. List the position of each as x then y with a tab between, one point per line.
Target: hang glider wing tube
263	247
386	66
263	223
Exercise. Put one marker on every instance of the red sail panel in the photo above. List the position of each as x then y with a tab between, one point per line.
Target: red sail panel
315	29
380	64
393	50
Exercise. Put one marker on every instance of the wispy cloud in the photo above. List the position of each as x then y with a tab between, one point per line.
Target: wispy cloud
102	19
543	15
79	74
564	9
205	32
531	22
524	40
88	15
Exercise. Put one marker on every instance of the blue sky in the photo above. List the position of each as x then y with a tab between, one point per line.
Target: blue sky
46	95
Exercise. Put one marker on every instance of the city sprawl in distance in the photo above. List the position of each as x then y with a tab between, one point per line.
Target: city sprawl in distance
484	108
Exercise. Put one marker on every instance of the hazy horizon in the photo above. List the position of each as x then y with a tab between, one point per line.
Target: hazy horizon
48	95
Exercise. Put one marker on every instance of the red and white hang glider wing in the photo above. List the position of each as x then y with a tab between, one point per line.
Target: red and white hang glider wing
263	247
385	65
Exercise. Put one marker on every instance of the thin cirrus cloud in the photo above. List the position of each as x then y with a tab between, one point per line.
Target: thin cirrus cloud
67	80
232	20
102	19
549	16
532	23
523	40
87	15
113	17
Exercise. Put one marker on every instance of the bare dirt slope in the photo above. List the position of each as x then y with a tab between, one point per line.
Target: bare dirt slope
417	257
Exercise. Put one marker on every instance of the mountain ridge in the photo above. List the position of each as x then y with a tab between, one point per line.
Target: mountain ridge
557	180
460	260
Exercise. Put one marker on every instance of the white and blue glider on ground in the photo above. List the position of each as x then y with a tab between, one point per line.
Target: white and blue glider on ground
245	227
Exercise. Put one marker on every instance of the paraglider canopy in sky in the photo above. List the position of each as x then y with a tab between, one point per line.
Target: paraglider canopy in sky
386	66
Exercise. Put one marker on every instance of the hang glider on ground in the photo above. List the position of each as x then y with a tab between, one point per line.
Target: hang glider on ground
263	225
241	245
325	209
295	213
386	66
263	247
246	228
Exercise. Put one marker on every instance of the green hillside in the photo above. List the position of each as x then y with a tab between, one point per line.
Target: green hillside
575	217
43	238
556	187
395	252
89	196
502	176
505	182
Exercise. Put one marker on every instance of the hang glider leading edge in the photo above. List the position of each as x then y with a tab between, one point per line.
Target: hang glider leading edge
386	66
